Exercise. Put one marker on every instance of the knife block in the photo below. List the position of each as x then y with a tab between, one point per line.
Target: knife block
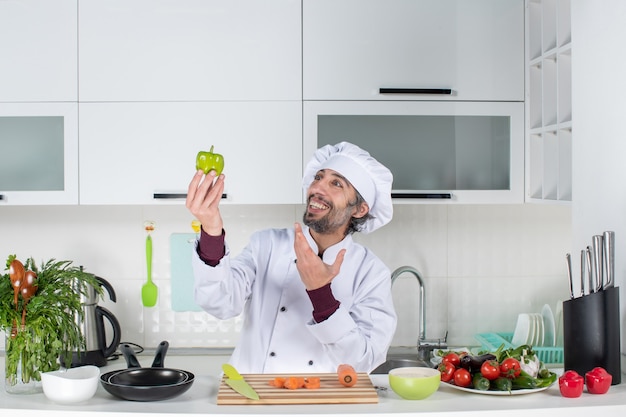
591	333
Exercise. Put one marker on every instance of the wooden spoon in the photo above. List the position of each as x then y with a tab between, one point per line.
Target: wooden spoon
28	290
16	274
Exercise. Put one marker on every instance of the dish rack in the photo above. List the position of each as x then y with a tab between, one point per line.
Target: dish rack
492	341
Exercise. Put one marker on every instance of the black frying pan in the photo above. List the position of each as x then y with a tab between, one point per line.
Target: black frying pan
146	384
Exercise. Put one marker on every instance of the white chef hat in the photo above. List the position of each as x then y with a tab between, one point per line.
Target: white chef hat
370	178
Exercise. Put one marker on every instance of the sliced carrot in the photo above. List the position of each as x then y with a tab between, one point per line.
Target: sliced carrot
291	383
277	382
346	374
312	383
295	382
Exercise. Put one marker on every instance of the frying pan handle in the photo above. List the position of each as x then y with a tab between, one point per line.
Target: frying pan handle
159	356
129	355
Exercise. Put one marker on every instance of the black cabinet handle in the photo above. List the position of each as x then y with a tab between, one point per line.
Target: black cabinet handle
422	195
1	196
173	196
440	91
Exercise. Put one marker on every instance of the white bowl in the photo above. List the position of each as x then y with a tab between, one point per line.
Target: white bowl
68	386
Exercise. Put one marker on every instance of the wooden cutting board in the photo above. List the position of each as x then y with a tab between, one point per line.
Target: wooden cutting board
330	391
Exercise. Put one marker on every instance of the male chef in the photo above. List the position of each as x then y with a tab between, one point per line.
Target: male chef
311	297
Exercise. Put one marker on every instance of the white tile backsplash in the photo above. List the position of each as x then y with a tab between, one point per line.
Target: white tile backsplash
482	265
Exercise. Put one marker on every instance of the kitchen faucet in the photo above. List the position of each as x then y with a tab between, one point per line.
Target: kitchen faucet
424	346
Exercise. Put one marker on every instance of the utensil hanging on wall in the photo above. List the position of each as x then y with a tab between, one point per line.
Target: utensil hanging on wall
149	291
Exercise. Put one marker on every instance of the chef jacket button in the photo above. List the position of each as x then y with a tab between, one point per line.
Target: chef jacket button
310	362
272	354
283	308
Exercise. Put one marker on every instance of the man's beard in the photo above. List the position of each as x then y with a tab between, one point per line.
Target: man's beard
330	222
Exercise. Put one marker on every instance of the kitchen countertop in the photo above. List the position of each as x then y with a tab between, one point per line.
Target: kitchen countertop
200	399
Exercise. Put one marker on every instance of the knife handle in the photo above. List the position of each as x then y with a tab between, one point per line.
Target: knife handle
583	271
568	261
609	258
597	261
589	270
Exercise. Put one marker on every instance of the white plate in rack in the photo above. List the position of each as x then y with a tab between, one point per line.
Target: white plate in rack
537	338
549	326
523	330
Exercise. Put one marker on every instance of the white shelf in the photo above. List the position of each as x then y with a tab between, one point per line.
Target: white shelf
549	101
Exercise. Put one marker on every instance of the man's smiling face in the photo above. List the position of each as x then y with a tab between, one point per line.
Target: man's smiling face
330	203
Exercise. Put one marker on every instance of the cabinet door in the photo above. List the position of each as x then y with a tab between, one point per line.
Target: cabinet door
38	50
353	48
438	152
131	151
165	50
39	148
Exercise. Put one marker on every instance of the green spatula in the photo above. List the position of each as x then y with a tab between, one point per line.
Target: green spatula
149	291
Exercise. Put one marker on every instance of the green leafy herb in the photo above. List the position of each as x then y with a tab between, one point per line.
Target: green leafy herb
52	330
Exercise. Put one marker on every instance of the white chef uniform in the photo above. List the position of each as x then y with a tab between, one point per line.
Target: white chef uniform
279	334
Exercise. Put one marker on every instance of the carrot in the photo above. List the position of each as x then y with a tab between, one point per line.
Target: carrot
295	382
277	382
312	383
292	383
346	374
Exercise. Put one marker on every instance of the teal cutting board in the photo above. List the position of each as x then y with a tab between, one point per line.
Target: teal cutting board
181	249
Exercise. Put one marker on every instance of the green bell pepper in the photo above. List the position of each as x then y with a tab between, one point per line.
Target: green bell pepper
207	161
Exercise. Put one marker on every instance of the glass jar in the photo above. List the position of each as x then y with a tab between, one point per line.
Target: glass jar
21	374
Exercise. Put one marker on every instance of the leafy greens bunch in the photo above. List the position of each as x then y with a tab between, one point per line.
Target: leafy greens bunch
51	331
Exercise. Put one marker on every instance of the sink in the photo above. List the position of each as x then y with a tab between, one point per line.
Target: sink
392	363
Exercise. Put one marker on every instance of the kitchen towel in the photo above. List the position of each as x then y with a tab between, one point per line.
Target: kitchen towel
181	247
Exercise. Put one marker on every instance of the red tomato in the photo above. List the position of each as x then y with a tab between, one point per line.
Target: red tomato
462	377
452	358
490	369
571	384
510	368
447	371
598	381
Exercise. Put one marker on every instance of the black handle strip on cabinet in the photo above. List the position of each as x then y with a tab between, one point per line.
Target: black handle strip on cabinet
172	196
1	196
422	195
441	91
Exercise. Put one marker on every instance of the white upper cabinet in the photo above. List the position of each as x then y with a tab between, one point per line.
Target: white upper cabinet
39	148
145	153
190	50
438	152
353	48
38	52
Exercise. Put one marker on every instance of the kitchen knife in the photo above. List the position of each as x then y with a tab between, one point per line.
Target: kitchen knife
597	261
590	270
242	387
568	259
234	380
609	259
583	271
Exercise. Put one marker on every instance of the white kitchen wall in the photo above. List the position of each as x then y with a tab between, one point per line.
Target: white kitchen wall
482	264
599	202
